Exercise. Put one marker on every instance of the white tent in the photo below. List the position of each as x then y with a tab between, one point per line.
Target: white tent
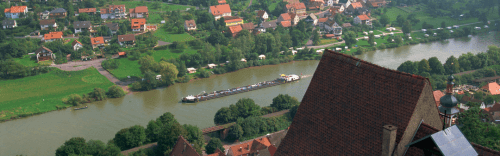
338	49
191	70
371	32
262	57
365	33
377	36
212	66
243	60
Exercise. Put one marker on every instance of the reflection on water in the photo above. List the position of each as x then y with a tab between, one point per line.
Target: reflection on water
43	134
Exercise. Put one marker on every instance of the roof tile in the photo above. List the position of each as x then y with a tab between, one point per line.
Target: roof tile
220	9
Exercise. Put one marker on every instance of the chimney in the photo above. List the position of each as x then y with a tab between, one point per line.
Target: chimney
241	148
388	139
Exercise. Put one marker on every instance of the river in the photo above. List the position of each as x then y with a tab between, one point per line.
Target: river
41	135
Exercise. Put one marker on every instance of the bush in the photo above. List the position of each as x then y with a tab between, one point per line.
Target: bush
98	94
115	92
222	70
213	144
75	99
382	46
136	86
203	73
110	64
235	133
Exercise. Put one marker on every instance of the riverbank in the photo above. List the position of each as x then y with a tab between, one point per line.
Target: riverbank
43	93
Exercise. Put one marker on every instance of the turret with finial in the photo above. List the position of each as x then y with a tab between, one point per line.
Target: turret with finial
448	101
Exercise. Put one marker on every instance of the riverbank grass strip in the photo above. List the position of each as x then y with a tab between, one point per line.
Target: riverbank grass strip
43	93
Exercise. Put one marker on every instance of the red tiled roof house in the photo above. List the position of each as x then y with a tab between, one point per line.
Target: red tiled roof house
190	25
76	45
139	12
90	11
52	36
15	11
138	24
249	148
493	88
43	54
219	11
296	8
97	42
235	30
362	19
114	11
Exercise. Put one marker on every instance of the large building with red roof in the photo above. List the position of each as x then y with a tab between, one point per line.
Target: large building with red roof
51	36
139	12
362	19
138	24
235	30
493	88
255	147
90	11
296	8
15	11
219	11
353	107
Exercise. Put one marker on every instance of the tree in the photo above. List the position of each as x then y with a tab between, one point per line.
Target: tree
451	66
247	107
408	67
293	111
350	38
235	132
111	150
168	72
98	94
195	136
384	20
282	102
75	145
223	116
147	64
406	27
217	38
83	17
316	37
152	131
95	147
213	144
400	20
398	40
423	66
371	39
476	127
115	92
130	137
489	99
436	66
168	136
443	25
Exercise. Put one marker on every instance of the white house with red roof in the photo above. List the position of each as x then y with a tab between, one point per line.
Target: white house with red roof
15	11
139	12
219	11
76	45
51	36
362	19
113	11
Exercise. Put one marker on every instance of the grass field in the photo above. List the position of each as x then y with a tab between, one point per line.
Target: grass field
170	37
42	93
154	18
327	41
151	6
158	54
26	61
127	68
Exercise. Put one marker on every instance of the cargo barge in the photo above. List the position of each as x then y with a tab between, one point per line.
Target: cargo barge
203	96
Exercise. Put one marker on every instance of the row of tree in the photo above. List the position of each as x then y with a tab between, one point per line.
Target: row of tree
246	107
97	94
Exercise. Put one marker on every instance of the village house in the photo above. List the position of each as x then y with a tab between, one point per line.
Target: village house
262	14
331	2
139	12
58	13
362	19
346	25
248	26
262	57
363	11
212	66
349	124
52	36
354	6
82	26
15	11
138	24
183	148
126	40
9	24
113	27
265	25
334	10
232	20
46	24
333	27
43	54
97	42
76	45
219	11
113	11
294	18
44	15
190	25
221	2
494	111
312	18
284	17
235	30
492	88
285	24
316	5
254	147
321	22
191	70
90	11
296	8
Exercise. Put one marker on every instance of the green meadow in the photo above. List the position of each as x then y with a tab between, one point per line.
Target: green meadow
43	93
